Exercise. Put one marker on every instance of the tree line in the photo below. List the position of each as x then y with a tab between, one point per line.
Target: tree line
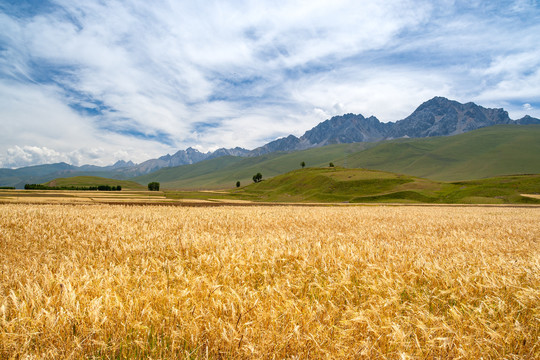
84	188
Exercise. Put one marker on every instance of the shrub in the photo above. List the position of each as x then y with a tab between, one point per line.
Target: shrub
257	178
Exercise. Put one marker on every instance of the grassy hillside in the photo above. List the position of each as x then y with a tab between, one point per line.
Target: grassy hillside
365	186
337	184
487	152
361	185
327	184
222	173
86	181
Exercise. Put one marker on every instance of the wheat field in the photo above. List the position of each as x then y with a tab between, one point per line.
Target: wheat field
373	282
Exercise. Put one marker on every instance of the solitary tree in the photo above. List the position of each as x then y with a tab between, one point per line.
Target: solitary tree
257	178
238	184
331	164
303	164
153	186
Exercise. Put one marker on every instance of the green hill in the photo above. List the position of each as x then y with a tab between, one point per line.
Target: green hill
487	152
334	185
320	185
361	185
87	181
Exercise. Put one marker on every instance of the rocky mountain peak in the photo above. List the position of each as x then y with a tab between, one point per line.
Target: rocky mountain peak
346	128
440	117
122	164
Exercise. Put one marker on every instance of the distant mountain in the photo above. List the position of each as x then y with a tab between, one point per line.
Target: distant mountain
42	173
527	120
345	129
442	117
121	164
182	157
436	117
33	174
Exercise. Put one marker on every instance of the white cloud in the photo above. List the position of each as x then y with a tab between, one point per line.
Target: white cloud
151	74
34	117
30	155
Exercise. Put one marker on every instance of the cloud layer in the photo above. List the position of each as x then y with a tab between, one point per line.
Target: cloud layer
96	82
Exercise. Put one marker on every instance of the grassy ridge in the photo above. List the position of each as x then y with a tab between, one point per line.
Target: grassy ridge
326	184
487	152
87	181
365	186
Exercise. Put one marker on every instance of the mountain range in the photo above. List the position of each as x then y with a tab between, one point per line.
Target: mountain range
436	117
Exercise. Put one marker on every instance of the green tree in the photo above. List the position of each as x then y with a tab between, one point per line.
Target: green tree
153	186
331	164
303	164
257	178
238	184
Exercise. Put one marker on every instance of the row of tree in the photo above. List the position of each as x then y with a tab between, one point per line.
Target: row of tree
83	188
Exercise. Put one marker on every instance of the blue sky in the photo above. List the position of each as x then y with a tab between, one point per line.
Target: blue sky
93	82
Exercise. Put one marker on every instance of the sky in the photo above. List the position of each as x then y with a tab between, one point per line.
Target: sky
94	82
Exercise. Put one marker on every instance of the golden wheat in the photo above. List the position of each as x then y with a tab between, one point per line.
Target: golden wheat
101	281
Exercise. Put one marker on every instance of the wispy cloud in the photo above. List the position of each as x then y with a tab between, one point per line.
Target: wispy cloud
135	79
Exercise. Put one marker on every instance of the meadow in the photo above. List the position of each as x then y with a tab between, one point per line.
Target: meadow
114	281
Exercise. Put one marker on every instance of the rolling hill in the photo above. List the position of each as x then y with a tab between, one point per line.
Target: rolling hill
343	185
337	185
487	152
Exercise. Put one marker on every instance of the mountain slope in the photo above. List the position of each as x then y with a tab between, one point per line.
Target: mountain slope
487	152
223	172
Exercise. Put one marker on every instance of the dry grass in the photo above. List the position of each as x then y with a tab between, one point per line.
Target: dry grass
100	281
